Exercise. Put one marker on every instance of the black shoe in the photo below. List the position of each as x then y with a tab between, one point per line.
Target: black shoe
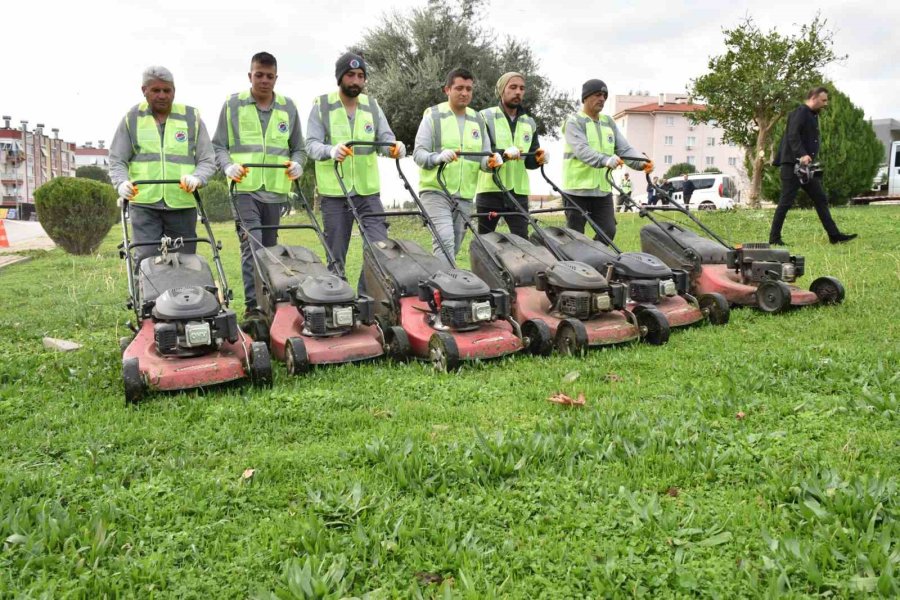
841	238
778	242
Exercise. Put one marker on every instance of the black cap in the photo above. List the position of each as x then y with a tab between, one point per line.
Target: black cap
592	86
349	61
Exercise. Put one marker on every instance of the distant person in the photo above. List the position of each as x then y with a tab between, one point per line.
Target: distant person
159	139
626	190
799	147
259	126
652	197
593	144
687	189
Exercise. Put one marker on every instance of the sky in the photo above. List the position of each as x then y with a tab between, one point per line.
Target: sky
77	65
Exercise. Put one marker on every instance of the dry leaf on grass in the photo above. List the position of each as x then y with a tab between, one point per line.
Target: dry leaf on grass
426	578
740	416
248	474
560	398
613	377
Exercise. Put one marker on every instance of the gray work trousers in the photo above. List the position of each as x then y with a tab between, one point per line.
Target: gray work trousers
338	224
254	213
449	222
151	224
599	208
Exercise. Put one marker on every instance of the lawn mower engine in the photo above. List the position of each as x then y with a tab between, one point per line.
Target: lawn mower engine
579	291
189	321
330	307
648	279
760	262
460	300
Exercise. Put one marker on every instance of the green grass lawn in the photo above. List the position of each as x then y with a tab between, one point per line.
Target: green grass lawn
740	461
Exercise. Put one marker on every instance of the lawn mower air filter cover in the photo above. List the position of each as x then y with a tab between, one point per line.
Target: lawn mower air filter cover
325	289
573	275
186	303
458	284
641	265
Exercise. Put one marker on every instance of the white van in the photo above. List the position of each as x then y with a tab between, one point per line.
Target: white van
711	191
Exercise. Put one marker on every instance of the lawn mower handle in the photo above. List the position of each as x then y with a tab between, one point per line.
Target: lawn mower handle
644	211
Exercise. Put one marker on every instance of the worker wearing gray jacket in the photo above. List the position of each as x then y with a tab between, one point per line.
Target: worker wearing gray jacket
446	128
259	126
593	145
158	139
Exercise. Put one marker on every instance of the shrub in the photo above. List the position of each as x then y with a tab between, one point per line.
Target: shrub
214	196
76	213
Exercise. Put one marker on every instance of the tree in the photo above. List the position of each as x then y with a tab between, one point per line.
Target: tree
715	170
849	153
409	55
93	172
758	80
679	169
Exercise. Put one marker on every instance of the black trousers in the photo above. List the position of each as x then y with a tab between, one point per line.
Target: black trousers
151	224
599	208
499	202
790	184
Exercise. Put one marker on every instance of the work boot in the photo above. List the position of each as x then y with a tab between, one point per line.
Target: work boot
777	242
841	238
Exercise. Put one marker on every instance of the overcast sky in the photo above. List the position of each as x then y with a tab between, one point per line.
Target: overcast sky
77	65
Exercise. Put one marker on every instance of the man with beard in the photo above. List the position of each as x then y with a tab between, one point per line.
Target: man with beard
338	117
445	129
592	145
158	139
799	148
513	132
259	126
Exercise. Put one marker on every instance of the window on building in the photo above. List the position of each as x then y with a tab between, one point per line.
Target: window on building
667	159
732	162
670	121
691	159
691	141
710	141
669	140
710	161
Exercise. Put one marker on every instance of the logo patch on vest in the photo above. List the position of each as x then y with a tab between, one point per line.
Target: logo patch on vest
609	139
370	128
526	138
476	135
180	135
282	127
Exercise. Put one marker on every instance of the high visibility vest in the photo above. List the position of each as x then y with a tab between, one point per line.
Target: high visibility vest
166	158
512	173
601	138
248	144
626	185
460	176
360	171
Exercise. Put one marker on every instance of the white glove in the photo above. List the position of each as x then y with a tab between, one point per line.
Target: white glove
495	160
613	162
190	183
235	172
398	150
447	156
512	153
294	170
126	190
339	152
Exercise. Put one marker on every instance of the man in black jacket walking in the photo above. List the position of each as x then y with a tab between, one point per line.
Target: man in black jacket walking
801	144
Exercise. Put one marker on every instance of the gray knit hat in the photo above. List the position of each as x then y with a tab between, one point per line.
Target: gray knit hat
592	86
349	61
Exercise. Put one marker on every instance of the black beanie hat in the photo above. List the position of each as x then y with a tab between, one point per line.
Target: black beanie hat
592	86
349	61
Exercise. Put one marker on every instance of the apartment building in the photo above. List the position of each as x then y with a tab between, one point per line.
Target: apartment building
90	156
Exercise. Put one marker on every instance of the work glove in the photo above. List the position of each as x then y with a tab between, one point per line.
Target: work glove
190	183
614	162
495	161
648	167
294	170
541	156
235	172
339	152
127	190
398	150
447	156
512	153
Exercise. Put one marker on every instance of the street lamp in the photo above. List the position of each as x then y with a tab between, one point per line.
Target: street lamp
25	151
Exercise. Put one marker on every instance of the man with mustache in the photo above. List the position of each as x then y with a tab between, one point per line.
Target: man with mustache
513	132
336	118
259	126
593	144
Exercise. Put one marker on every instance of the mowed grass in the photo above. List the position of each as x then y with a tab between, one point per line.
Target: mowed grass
759	458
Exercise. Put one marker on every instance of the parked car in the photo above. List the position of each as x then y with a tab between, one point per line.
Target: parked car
711	191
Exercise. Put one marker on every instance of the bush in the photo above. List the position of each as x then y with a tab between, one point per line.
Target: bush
76	213
679	169
216	201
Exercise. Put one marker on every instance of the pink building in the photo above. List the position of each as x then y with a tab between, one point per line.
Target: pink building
659	127
88	155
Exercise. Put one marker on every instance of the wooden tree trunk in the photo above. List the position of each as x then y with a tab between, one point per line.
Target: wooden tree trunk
759	159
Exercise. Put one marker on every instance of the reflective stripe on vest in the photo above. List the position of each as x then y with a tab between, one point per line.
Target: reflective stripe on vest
578	175
461	176
248	144
166	158
512	172
360	171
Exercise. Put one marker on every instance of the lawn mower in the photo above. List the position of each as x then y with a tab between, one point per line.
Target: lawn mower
561	303
186	336
750	274
310	314
425	310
